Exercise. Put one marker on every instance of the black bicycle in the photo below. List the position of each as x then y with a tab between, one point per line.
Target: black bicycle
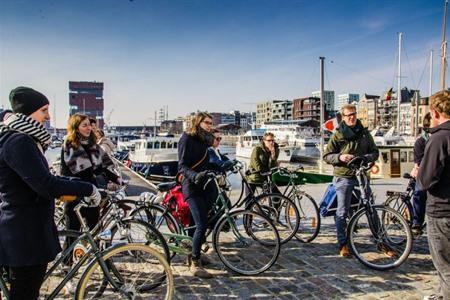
379	236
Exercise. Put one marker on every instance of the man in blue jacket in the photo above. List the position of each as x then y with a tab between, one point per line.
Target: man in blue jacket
434	176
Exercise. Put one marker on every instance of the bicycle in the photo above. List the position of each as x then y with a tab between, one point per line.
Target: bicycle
310	220
245	241
124	270
402	201
379	236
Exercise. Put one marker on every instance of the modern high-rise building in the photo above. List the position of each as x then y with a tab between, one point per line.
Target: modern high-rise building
345	99
87	98
271	110
328	99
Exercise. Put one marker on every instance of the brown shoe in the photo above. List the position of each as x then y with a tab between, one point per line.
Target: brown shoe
197	270
386	250
344	251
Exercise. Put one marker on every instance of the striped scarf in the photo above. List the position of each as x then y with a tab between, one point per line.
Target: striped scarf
24	124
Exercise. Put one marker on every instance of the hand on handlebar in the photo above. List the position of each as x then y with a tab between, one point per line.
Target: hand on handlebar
94	199
346	157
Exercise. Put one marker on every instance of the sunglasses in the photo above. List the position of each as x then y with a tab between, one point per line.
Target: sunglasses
270	141
350	115
207	122
218	139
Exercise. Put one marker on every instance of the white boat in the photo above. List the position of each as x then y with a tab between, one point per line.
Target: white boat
303	140
126	142
251	138
155	149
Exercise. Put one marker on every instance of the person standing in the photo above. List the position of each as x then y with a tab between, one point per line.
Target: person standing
28	234
420	195
193	164
83	158
350	140
434	177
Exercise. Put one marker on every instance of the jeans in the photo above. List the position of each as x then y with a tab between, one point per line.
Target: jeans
439	242
199	205
26	282
344	188
419	204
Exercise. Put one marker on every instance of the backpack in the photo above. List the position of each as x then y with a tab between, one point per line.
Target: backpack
178	207
328	205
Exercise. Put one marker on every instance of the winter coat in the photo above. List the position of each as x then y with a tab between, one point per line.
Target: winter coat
361	145
434	173
261	161
28	234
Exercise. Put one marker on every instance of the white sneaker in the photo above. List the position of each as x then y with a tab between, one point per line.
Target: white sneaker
433	297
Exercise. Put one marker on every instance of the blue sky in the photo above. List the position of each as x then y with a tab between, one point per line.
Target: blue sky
212	55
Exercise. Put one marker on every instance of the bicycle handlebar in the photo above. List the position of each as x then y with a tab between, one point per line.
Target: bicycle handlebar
360	163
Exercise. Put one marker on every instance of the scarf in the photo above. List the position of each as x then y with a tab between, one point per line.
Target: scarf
206	137
25	124
88	155
351	133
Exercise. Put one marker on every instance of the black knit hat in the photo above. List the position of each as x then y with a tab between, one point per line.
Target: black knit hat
26	101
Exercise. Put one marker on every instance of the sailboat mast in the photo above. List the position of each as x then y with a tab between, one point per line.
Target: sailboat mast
430	92
444	48
322	92
399	82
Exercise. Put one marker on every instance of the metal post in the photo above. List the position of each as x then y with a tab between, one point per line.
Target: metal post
416	123
399	87
430	92
444	48
322	92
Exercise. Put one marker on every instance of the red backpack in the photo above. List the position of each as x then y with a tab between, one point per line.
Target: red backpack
179	208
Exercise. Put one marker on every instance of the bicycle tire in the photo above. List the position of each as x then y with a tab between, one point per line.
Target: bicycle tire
149	235
288	212
240	252
403	207
361	236
310	220
118	256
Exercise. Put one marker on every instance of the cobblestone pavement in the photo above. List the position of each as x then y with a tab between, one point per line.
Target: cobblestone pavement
316	271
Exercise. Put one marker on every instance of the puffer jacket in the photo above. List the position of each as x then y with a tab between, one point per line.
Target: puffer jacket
261	161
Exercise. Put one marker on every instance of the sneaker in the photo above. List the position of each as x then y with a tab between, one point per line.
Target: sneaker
344	251
197	270
433	297
387	250
205	260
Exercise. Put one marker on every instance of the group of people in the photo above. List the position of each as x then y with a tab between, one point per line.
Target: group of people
28	235
431	170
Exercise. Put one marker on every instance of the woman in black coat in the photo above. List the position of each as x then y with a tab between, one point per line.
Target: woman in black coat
28	235
193	161
83	158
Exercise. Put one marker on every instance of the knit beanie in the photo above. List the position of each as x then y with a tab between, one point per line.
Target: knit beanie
26	101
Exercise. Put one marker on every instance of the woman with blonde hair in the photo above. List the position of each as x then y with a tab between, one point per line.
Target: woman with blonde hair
83	158
193	163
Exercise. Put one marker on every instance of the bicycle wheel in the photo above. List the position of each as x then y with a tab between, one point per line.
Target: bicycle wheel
134	269
309	217
159	218
403	207
235	243
137	231
381	240
281	210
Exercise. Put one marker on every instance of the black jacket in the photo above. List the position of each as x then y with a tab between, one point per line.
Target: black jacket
191	150
28	234
434	173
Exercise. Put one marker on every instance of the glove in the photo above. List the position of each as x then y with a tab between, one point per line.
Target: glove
119	181
227	165
94	199
200	177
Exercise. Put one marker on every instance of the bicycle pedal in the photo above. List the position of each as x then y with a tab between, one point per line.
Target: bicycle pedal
205	248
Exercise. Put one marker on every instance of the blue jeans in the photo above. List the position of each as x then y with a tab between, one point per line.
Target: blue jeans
439	242
344	188
419	204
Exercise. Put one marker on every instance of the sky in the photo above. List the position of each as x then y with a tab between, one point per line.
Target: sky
216	55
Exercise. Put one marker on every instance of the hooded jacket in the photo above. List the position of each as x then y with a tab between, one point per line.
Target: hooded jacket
345	141
434	173
261	161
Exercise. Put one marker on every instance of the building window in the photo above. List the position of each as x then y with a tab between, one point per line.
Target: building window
411	156
403	156
385	157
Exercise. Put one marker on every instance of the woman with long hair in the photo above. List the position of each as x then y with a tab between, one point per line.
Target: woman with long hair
28	234
193	163
83	158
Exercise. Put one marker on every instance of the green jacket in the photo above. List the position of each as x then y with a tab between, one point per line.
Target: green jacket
363	145
260	161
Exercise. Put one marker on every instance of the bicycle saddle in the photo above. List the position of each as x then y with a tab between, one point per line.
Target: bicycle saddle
166	186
